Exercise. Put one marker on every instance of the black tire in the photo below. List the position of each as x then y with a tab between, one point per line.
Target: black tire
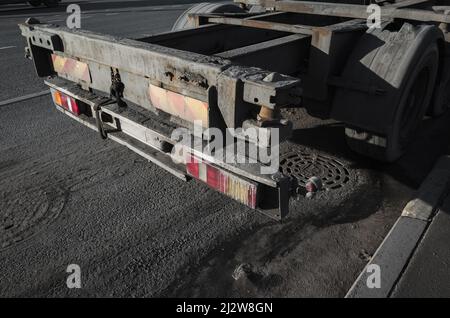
35	3
441	101
51	3
405	66
183	22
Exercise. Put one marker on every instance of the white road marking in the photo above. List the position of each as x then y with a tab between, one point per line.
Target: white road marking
24	97
7	47
113	13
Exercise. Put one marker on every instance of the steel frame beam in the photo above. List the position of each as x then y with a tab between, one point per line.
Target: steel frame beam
211	39
274	55
153	61
351	10
299	29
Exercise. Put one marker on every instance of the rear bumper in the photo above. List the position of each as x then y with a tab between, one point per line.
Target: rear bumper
150	136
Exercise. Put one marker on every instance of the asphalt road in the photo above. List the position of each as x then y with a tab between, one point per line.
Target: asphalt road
67	197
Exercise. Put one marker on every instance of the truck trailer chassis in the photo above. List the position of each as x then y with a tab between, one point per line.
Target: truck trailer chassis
237	66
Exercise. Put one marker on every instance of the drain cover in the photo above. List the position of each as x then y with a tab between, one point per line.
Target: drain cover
302	165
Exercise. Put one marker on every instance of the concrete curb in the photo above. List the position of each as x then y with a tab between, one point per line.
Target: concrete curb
394	253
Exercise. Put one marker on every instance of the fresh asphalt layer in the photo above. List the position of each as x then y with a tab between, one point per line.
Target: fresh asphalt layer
67	197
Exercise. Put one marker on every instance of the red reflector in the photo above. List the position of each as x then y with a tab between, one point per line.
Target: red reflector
73	105
192	166
65	101
227	183
213	177
192	169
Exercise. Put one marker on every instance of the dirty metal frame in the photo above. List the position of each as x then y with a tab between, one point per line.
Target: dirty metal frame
329	39
151	64
238	79
130	128
183	72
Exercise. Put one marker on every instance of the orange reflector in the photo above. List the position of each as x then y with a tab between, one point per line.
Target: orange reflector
70	67
238	189
57	97
187	108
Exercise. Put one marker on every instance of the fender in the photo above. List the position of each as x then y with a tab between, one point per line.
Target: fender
382	59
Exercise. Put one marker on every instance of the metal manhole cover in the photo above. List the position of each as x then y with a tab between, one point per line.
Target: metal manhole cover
302	165
25	213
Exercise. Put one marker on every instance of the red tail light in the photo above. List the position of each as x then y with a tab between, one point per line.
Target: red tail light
192	167
227	183
65	101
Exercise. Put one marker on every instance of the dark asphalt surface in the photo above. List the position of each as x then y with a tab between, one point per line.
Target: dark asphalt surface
68	197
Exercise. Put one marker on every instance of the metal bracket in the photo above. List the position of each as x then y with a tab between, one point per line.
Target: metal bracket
117	88
98	118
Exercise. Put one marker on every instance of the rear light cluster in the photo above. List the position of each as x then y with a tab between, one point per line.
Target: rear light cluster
238	189
66	102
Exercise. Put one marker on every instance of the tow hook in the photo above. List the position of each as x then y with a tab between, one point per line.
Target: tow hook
117	88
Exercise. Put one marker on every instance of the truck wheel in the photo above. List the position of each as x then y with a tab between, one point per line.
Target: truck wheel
441	102
403	66
183	22
51	3
35	3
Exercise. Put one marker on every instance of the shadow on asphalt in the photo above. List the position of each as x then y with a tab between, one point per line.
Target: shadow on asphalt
253	258
87	6
431	142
